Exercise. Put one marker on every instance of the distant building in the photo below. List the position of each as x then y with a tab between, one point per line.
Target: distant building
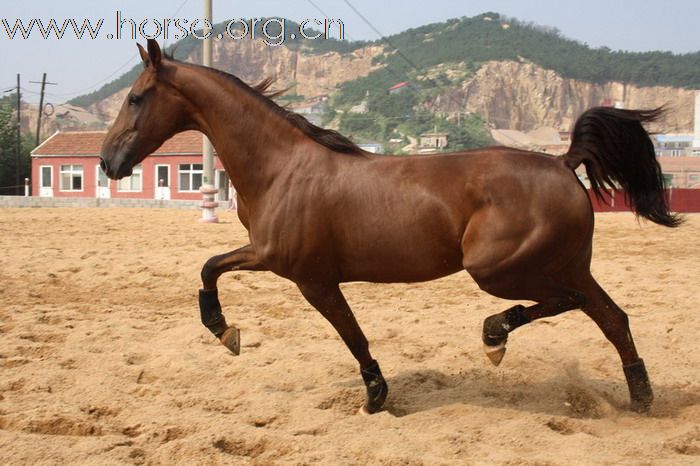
312	109
675	145
67	164
398	88
684	172
373	147
432	142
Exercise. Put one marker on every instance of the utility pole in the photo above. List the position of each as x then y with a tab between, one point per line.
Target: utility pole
207	189
19	136
41	106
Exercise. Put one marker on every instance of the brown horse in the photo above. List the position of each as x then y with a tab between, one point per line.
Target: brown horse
320	211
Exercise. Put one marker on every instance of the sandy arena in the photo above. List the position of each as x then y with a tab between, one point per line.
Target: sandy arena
104	361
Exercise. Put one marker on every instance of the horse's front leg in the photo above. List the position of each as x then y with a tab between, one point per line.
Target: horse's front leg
244	258
330	302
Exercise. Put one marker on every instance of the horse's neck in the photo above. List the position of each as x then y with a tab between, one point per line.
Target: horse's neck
251	141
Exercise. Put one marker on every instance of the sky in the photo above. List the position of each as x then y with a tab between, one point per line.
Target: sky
82	65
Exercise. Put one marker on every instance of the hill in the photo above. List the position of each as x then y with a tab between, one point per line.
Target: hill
544	79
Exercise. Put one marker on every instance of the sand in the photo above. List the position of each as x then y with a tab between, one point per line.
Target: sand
104	361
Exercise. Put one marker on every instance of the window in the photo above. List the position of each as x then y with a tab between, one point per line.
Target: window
71	177
131	183
190	176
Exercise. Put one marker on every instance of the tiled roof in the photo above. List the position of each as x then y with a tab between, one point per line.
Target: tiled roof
90	143
399	85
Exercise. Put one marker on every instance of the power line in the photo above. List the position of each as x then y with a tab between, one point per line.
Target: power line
173	16
400	53
400	77
41	105
79	91
131	59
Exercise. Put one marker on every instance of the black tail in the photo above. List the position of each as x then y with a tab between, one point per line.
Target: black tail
617	151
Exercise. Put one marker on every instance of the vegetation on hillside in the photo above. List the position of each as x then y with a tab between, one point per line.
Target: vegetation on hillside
493	37
482	38
436	57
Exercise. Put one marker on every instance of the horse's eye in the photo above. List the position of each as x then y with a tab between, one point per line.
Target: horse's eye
134	99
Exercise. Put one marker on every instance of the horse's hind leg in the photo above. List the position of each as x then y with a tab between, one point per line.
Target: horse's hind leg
498	326
615	325
330	302
209	306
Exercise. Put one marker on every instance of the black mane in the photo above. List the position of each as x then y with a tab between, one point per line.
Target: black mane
326	137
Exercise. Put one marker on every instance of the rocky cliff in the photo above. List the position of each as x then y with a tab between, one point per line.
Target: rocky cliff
305	74
507	94
523	96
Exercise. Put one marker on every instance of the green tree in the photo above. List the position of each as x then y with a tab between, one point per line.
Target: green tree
8	149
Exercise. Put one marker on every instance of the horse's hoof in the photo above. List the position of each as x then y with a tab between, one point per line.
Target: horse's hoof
495	353
231	339
363	411
642	406
377	388
641	394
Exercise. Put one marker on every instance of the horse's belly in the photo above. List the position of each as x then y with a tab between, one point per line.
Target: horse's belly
408	263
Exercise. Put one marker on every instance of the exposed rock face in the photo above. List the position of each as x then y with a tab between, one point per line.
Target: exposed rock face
252	61
108	109
524	96
510	95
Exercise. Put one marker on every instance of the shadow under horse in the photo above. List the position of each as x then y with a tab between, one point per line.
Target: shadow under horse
320	211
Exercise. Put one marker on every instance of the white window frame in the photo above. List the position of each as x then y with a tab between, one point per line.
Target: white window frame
190	171
72	172
138	169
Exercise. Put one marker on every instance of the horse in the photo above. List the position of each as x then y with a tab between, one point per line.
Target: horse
320	211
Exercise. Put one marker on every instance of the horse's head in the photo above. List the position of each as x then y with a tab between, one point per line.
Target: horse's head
152	112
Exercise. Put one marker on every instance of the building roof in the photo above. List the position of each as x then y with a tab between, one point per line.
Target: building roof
398	85
71	143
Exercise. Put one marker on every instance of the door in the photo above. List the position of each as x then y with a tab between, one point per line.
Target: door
46	181
162	182
101	184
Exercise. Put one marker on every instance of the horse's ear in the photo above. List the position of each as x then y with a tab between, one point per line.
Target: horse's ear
154	53
144	55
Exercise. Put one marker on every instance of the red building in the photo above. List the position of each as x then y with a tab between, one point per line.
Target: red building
68	165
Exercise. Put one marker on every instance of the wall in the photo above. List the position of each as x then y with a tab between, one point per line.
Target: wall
681	200
89	164
21	201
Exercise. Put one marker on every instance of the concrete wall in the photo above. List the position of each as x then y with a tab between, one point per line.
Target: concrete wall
20	201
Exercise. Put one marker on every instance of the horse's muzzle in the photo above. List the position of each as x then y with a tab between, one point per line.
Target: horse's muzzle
115	171
103	166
